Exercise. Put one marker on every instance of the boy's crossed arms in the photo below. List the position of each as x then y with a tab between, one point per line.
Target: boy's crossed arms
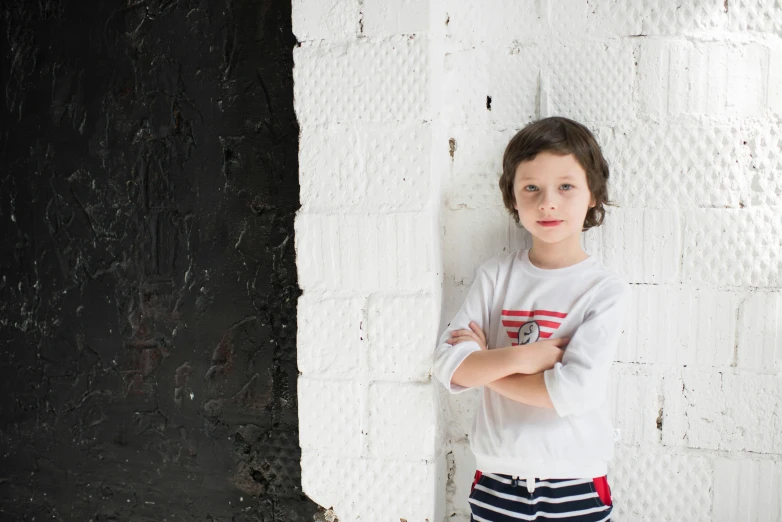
514	371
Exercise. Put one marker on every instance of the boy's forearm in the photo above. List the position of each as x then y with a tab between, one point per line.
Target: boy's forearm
481	368
526	389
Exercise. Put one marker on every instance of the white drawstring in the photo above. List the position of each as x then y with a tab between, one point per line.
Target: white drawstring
530	483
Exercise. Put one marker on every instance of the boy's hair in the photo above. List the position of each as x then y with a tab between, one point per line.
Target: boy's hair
561	136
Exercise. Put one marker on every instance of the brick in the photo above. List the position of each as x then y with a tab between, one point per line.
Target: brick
591	241
397	167
682	78
723	411
508	75
641	476
332	171
387	17
376	82
319	352
461	413
761	146
330	414
372	489
763	165
454	293
494	21
374	168
733	247
660	166
691	401
644	245
618	18
471	237
634	403
402	334
564	20
402	420
441	418
680	326
461	472
775	80
588	81
325	19
755	409
346	253
760	332
747	80
476	167
763	16
747	490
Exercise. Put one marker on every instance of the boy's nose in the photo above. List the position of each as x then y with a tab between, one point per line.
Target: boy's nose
547	201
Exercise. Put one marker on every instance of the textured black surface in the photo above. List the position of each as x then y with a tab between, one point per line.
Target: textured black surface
148	185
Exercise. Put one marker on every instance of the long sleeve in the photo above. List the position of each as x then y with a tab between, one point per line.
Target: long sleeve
580	382
476	307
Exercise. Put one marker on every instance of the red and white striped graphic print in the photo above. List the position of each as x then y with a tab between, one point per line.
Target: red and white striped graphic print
538	324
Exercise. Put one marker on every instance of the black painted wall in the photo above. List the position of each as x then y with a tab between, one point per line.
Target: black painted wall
148	185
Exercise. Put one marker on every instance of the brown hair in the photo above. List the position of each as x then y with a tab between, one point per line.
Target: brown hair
562	136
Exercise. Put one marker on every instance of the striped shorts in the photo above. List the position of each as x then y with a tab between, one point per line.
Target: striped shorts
505	498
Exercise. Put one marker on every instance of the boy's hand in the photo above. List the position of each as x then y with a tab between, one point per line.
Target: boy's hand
473	334
543	355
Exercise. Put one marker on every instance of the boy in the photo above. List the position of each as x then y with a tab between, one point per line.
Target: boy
538	331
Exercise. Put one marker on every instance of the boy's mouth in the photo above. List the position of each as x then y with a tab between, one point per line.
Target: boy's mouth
550	223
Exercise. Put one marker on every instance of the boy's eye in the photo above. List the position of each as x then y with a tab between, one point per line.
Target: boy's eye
534	187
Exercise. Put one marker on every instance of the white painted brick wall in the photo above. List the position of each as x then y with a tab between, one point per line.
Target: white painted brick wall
747	490
652	483
405	108
760	332
682	326
702	79
728	411
368	260
636	401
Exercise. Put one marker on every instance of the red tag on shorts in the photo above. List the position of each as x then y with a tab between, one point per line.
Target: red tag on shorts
603	491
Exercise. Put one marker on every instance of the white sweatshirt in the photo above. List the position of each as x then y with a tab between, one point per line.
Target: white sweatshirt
515	302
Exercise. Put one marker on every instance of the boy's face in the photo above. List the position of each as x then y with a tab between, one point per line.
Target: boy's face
551	187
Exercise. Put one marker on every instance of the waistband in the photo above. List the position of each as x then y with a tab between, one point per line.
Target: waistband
531	483
548	469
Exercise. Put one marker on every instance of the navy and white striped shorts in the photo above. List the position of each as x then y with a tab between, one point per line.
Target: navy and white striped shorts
503	498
